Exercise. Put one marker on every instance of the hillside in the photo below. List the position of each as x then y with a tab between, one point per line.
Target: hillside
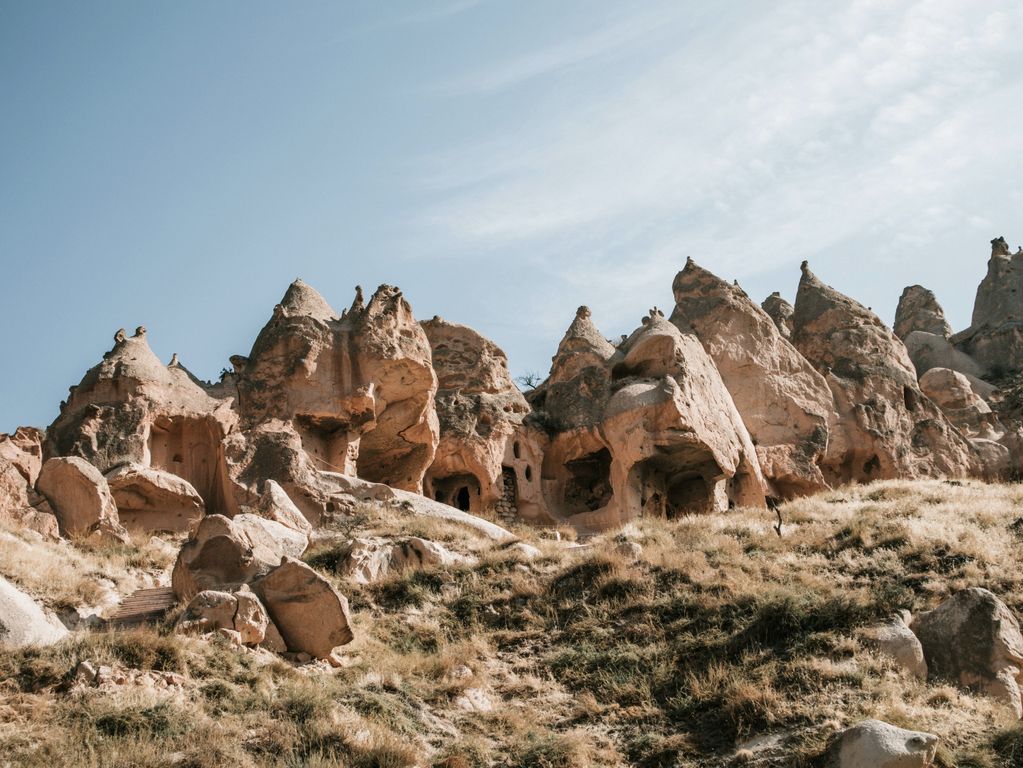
706	640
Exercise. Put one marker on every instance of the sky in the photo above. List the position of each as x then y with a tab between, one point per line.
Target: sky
177	165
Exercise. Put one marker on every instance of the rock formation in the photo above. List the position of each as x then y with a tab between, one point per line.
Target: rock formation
884	426
23	622
919	310
647	428
484	459
81	499
358	388
974	639
780	311
783	401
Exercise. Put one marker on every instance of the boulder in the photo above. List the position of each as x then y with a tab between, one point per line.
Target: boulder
783	401
276	505
153	500
883	427
23	622
966	409
974	639
896	640
23	450
875	744
225	553
369	559
919	310
20	505
311	616
80	498
780	312
241	612
928	350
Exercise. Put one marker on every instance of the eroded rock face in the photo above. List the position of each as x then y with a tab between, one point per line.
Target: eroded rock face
311	616
995	336
784	402
153	500
954	394
780	311
884	426
928	350
648	429
225	553
974	639
919	310
23	622
20	463
479	459
81	499
875	744
358	387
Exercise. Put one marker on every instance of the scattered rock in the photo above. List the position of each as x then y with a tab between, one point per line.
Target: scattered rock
875	744
80	498
896	640
23	622
311	616
367	560
974	639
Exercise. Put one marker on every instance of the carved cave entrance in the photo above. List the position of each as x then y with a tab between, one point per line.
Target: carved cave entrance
190	449
675	484
588	485
459	491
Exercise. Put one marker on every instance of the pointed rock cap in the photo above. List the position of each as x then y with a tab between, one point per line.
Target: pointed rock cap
999	247
582	336
301	299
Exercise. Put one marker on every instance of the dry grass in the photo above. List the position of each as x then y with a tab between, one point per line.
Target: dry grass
718	634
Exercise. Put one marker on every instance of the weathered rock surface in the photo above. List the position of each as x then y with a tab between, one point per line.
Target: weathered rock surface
23	622
225	553
995	336
884	425
132	409
780	312
954	394
20	463
875	744
81	499
276	505
369	559
974	639
928	350
154	500
648	428
896	640
311	616
358	387
479	461
919	310
240	612
784	402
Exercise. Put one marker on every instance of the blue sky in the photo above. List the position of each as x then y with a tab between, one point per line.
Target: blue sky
176	165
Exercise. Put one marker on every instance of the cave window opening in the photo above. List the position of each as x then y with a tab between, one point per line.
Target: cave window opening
529	473
589	484
462	499
517	450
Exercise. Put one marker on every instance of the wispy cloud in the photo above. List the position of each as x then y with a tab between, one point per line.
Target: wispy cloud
769	137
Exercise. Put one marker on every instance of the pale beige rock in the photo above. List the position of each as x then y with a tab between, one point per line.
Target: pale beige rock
974	639
369	559
226	553
24	450
896	640
80	498
783	401
919	310
250	618
884	427
208	611
311	616
153	500
275	504
875	744
20	506
23	622
359	387
954	394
